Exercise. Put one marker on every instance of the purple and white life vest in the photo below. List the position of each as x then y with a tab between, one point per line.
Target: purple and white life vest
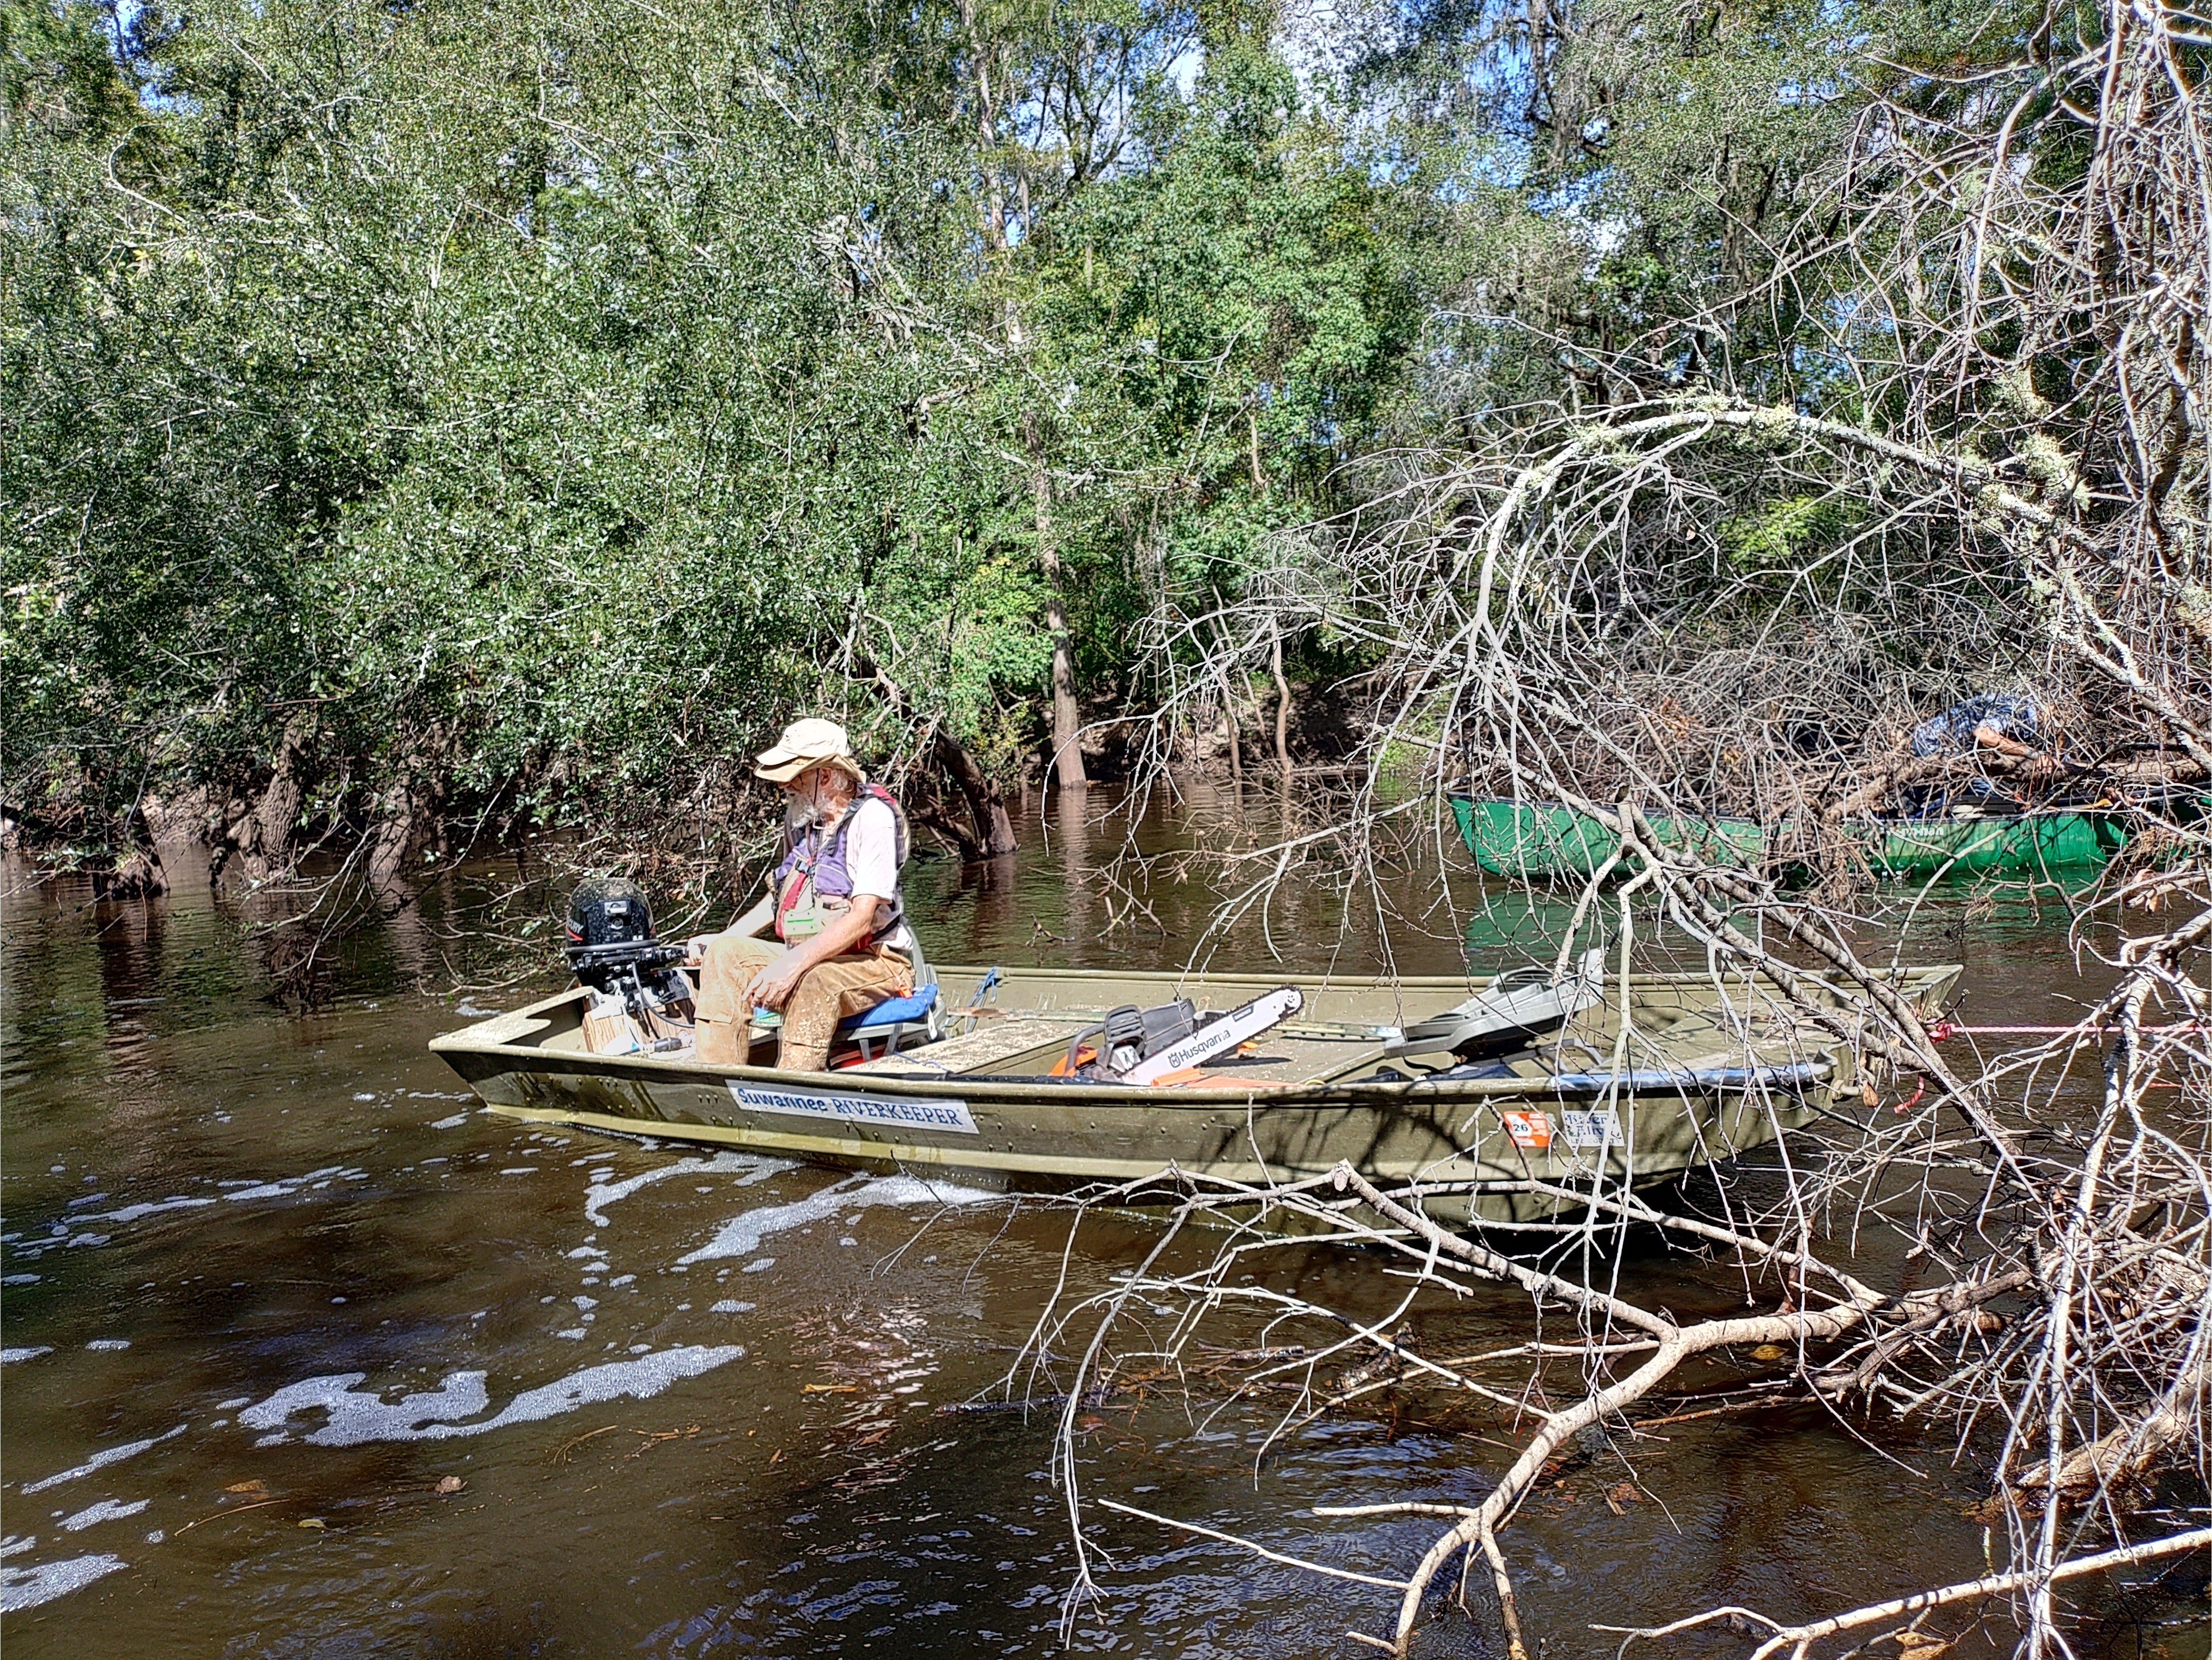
812	880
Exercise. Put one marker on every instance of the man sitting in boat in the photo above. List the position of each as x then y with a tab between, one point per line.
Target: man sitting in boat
841	944
2001	722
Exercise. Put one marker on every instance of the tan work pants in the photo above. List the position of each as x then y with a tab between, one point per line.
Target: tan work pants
826	994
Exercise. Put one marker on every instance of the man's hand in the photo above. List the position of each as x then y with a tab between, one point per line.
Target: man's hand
772	986
1989	737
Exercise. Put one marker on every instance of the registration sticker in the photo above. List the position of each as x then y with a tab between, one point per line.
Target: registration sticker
1591	1129
936	1113
1528	1129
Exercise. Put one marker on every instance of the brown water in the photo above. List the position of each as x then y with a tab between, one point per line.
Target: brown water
271	1280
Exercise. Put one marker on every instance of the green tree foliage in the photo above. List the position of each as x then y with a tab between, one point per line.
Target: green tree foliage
558	396
537	404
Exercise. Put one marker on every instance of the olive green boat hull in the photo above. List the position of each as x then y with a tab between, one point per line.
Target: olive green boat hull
1035	1132
1518	838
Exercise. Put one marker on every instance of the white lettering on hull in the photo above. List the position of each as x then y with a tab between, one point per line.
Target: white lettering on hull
936	1113
1592	1129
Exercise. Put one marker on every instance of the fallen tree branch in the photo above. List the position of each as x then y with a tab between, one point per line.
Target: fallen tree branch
1798	1638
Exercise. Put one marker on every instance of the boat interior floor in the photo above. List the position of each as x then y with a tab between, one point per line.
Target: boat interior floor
1027	1045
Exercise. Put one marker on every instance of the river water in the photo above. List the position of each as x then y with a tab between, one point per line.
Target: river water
306	1355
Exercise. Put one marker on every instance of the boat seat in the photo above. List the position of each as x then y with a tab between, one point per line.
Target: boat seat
892	1021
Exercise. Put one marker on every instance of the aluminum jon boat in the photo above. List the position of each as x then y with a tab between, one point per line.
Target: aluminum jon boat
1707	1067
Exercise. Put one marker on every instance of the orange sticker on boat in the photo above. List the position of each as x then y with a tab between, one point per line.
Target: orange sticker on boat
1528	1129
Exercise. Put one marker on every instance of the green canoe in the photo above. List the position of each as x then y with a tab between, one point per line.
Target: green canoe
1520	838
2030	844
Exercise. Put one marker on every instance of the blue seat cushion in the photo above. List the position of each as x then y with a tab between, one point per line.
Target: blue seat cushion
893	1011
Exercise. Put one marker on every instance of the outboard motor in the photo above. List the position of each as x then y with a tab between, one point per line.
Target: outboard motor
612	949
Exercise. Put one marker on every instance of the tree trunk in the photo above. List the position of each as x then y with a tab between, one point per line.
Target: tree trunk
280	803
1235	743
134	872
987	807
412	806
994	829
260	834
1067	770
394	835
1282	703
991	209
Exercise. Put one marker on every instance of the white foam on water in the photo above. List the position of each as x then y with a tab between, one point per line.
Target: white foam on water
759	1265
13	1545
286	1187
109	1343
748	1167
357	1416
731	1305
18	1279
744	1234
26	1588
453	1123
9	1356
150	1208
102	1460
107	1510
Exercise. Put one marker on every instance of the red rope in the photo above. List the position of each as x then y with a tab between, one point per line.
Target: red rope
1943	1029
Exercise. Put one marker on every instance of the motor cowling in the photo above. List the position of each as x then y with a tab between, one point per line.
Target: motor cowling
609	910
611	947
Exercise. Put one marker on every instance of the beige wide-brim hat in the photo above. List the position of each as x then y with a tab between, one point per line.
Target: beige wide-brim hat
806	744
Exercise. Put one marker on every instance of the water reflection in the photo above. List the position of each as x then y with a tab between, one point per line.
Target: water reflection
274	1287
128	940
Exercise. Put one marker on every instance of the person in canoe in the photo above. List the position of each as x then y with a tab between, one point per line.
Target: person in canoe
840	941
2001	723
